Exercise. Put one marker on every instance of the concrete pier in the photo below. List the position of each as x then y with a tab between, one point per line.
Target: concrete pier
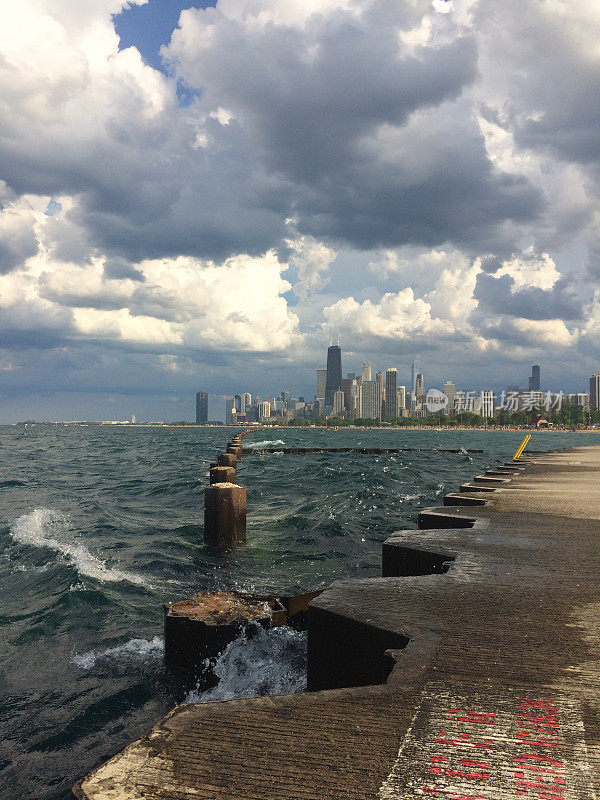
471	670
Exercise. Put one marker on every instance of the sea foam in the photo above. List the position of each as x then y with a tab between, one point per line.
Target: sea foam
272	661
44	527
265	443
132	650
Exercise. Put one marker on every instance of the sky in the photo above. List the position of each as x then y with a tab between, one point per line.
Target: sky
194	195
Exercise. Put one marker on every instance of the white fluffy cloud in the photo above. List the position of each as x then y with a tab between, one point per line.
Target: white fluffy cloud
420	174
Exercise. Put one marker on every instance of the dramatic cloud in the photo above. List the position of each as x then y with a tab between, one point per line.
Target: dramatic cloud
421	175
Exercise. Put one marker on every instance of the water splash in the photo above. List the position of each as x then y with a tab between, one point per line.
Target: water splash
257	663
134	649
44	527
267	443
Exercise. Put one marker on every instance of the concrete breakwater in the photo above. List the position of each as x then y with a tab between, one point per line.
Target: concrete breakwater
469	669
298	451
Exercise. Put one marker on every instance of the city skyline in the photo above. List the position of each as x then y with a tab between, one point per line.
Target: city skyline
380	396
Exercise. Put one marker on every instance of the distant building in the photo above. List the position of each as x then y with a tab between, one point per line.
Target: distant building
401	399
246	402
347	384
413	380
450	392
370	400
366	371
391	393
580	399
230	411
338	402
351	376
535	383
595	392
487	404
420	388
265	409
321	383
201	408
334	373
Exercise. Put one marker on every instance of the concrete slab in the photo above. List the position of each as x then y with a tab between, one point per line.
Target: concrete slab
484	677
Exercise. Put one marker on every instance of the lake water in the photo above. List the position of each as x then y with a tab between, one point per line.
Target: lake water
102	525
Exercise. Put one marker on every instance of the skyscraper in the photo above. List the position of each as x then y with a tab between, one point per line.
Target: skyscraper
230	411
401	399
366	371
535	383
595	392
370	400
420	388
321	383
391	393
487	404
246	402
450	392
201	407
334	373
338	402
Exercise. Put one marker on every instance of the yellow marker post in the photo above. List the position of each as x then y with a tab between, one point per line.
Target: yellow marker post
522	447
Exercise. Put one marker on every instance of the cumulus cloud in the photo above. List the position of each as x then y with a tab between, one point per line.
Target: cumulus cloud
419	174
181	303
398	316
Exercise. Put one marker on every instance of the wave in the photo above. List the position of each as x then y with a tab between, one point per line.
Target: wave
266	443
132	650
259	662
44	527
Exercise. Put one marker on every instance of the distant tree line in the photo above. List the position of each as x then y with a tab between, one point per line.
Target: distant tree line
567	415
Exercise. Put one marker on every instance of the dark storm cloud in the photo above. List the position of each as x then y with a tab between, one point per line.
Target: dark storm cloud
498	296
373	148
16	248
551	76
119	269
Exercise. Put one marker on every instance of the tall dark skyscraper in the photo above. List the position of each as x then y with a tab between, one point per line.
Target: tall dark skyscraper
334	373
535	383
201	407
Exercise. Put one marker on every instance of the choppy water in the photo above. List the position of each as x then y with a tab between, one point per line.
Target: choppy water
100	526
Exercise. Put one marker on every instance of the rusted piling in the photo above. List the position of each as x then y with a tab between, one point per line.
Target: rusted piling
201	627
227	460
222	475
235	450
224	514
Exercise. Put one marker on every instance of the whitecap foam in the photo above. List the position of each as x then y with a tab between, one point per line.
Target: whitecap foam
266	443
271	661
132	650
44	527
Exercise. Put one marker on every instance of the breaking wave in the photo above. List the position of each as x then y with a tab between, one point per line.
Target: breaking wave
132	650
46	528
257	663
266	443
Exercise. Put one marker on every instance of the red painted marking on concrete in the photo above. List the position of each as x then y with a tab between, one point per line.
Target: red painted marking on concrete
492	746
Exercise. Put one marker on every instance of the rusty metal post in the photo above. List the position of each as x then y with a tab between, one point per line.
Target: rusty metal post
227	460
224	514
222	475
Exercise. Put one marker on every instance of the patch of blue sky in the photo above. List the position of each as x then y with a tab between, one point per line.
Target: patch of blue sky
150	26
53	207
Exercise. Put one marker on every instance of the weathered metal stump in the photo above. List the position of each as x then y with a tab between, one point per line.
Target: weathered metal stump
224	514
